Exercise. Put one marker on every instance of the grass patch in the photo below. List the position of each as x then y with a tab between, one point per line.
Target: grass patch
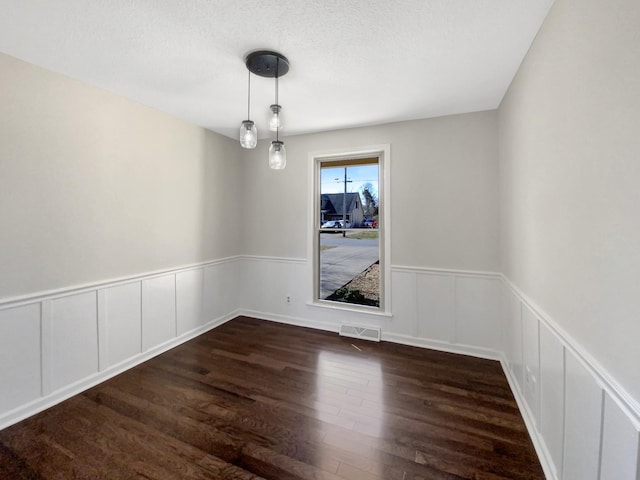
363	235
326	247
345	295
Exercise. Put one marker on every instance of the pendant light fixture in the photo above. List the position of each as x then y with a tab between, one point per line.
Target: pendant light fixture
248	130
266	63
275	117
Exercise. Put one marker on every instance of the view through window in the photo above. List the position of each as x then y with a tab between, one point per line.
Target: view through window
349	245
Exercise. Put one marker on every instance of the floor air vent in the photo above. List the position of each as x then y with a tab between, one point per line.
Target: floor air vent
365	333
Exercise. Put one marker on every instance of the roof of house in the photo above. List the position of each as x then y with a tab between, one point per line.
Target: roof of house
332	202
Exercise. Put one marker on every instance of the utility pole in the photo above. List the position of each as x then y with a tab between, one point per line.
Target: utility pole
344	202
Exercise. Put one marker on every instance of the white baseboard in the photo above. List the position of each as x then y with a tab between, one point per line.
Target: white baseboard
387	337
290	320
460	349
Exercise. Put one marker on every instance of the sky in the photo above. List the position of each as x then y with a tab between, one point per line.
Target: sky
333	179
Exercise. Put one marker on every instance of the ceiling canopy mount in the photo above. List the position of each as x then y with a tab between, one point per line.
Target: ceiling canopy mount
266	63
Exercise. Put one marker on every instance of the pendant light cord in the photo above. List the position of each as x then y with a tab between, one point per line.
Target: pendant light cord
277	104
249	97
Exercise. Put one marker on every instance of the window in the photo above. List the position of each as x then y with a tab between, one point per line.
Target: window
348	232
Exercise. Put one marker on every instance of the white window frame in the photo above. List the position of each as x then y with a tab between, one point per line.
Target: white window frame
383	153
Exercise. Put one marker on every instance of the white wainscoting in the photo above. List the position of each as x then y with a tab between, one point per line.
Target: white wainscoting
56	344
455	311
580	421
450	310
268	281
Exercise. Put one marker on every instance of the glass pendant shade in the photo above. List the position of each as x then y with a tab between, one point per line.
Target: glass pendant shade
275	118
248	134
277	155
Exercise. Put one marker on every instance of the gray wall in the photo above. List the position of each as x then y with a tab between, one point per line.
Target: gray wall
569	172
444	191
94	186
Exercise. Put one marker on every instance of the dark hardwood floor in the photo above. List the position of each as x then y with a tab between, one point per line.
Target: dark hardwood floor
253	399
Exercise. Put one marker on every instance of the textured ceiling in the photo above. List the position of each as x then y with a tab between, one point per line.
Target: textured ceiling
353	62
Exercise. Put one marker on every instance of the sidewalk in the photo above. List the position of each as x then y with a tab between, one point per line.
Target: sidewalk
340	264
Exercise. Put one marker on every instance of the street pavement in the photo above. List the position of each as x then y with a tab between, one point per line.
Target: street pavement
347	258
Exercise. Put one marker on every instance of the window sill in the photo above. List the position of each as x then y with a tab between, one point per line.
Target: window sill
350	308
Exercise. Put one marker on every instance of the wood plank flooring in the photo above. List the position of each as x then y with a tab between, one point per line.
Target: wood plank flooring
260	400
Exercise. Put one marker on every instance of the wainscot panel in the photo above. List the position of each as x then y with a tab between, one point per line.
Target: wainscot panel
74	339
20	374
552	394
514	348
583	421
158	310
189	300
436	294
406	307
531	355
120	310
619	443
477	320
